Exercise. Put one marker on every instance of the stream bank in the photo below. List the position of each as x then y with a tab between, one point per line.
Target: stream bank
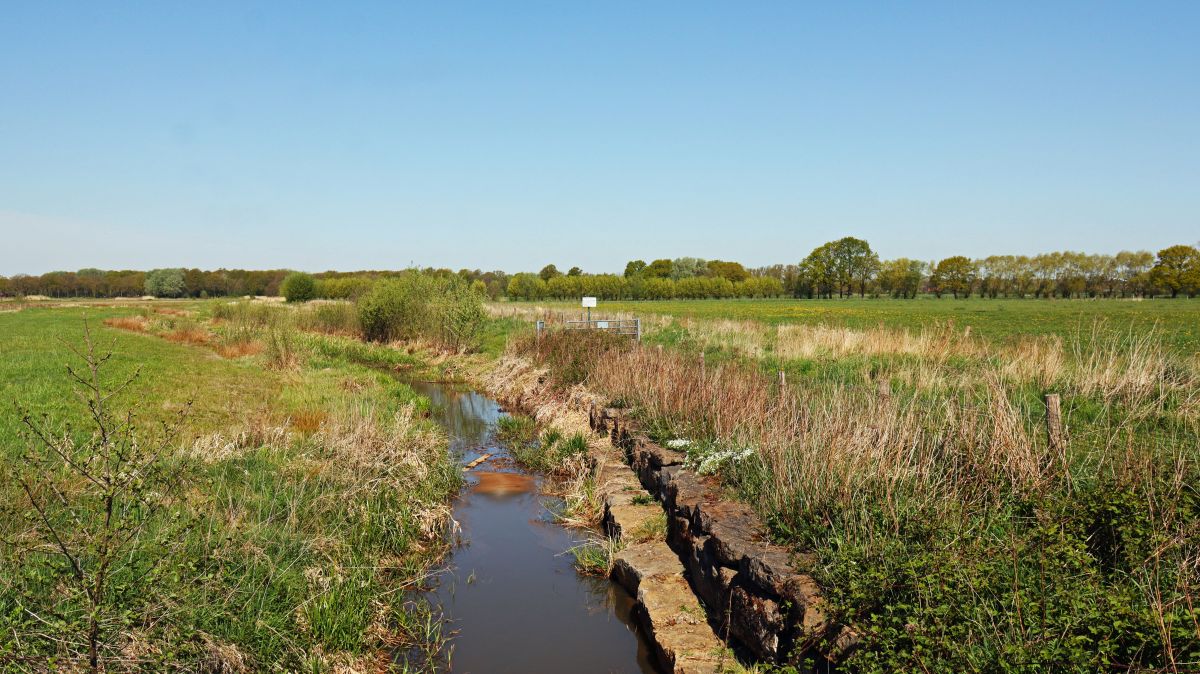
510	594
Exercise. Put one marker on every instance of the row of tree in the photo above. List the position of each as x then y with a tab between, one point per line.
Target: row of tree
178	282
527	286
848	266
844	267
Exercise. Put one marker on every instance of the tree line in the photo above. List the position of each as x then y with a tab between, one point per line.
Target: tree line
197	283
843	268
849	267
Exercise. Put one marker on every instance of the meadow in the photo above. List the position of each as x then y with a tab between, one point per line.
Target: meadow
1176	322
905	451
294	493
901	448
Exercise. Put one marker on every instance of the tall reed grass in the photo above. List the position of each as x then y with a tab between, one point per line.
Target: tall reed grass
875	479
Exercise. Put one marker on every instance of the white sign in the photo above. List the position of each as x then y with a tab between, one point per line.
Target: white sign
589	302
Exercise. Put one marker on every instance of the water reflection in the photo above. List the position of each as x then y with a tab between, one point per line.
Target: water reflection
511	593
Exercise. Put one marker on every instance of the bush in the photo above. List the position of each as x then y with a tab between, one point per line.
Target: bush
419	306
298	287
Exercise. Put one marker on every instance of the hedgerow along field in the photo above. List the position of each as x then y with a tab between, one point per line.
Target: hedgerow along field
906	457
303	493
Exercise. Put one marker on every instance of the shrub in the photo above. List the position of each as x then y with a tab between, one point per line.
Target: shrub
419	306
298	287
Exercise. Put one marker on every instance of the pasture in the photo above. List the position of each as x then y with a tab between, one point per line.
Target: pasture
275	527
1177	322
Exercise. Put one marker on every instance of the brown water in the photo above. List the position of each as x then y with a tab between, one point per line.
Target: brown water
510	592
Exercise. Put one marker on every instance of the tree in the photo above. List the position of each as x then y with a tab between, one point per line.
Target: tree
634	268
733	271
548	272
955	275
687	267
525	286
840	265
1177	270
658	269
901	277
575	271
298	287
165	283
853	262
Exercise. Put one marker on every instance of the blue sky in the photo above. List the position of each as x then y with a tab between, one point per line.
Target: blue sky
506	135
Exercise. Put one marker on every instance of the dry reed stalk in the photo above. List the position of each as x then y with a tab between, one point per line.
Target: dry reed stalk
194	336
131	323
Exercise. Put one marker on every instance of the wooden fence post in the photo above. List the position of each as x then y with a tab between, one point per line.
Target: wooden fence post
782	380
1054	427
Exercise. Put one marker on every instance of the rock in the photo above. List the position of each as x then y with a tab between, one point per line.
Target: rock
668	610
770	568
756	621
685	494
736	531
637	562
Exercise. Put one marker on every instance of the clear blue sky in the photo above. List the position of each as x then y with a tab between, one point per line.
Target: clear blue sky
506	135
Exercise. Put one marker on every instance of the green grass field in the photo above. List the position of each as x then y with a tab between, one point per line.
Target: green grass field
913	462
1177	321
308	492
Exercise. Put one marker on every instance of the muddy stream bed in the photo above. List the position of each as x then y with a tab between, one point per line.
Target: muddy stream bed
510	595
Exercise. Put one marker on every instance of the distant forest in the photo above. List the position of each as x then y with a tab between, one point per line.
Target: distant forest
842	268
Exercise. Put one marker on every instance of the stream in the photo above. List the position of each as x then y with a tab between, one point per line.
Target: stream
510	593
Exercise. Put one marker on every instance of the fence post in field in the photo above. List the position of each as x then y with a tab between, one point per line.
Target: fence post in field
782	380
1054	428
884	389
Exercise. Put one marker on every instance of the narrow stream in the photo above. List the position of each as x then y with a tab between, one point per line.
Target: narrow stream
510	593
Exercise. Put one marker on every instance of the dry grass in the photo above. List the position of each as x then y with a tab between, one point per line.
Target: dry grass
843	445
131	323
308	421
192	335
239	349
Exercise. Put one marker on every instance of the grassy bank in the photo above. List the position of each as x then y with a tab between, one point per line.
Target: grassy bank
306	494
914	468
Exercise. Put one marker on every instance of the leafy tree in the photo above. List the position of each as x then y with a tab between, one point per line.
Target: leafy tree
955	275
634	268
901	277
525	286
687	267
853	262
575	271
658	269
165	283
1177	270
733	271
298	287
548	272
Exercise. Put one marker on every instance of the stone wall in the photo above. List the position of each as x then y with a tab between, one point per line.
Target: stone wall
755	592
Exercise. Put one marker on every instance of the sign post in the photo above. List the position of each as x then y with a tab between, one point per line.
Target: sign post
588	303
